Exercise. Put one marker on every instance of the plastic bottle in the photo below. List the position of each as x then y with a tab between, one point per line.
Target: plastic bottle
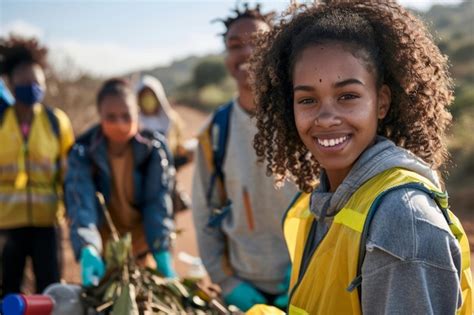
196	269
57	299
66	297
20	304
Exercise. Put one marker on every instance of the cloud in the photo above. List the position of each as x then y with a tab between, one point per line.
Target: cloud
21	28
108	58
111	58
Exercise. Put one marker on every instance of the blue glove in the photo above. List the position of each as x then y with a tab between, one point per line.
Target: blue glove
164	264
281	301
244	296
92	266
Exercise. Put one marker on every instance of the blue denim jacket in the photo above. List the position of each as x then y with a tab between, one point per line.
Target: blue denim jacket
89	172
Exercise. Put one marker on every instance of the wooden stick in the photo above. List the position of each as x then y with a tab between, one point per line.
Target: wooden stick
108	218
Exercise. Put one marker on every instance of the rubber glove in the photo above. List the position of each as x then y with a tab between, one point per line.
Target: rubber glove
244	296
281	301
164	264
92	266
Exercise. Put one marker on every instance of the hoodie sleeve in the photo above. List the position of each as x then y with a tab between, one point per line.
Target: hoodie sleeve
157	205
211	242
80	201
412	262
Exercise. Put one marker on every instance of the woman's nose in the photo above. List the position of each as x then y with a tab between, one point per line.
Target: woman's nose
327	117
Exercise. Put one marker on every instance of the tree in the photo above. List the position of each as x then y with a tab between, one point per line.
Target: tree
211	71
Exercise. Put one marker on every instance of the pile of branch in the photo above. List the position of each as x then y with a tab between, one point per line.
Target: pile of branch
129	289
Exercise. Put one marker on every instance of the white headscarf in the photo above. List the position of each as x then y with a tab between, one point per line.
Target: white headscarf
162	120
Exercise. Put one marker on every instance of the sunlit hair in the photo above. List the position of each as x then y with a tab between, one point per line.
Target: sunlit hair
16	51
392	43
246	12
114	87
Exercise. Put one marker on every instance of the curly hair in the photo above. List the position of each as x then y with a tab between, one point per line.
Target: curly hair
385	36
16	51
246	13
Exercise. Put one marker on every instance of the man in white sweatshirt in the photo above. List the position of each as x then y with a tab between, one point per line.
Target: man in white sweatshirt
244	252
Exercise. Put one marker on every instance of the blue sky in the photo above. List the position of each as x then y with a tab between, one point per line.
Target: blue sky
109	37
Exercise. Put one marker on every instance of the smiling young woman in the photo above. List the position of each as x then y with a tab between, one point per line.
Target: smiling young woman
352	101
337	106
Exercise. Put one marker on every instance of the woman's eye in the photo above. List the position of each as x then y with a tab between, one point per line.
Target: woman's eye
235	46
348	96
111	118
306	101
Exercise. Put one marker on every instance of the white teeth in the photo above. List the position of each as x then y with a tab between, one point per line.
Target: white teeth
244	66
331	142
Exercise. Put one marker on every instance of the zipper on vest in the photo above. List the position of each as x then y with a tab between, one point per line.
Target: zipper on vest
355	283
28	183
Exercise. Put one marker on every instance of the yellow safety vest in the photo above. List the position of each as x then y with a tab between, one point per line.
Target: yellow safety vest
335	265
29	171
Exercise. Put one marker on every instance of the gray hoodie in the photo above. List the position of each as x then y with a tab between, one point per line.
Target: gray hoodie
412	262
255	243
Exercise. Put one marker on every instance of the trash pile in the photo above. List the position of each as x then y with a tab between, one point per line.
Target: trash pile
130	289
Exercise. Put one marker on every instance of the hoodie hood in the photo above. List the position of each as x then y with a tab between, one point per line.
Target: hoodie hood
162	120
383	155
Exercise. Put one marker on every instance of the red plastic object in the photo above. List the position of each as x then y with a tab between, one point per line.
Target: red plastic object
38	304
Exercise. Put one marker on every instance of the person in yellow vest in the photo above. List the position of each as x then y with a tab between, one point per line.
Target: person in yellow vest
34	141
352	101
135	176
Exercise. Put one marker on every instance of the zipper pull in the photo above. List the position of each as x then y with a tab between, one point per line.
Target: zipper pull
355	283
22	177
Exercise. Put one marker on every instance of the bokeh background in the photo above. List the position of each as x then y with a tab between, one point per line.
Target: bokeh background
176	41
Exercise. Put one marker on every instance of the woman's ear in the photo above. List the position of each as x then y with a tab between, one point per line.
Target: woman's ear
384	100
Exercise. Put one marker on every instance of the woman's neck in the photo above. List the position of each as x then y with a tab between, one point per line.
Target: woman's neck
117	149
336	177
246	100
24	113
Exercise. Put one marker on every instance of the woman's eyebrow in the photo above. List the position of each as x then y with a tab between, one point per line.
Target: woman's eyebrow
347	82
306	88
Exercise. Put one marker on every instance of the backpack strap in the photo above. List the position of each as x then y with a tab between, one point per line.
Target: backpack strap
439	198
219	133
3	108
53	120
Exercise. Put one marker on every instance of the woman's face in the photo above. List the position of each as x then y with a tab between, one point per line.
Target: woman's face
28	84
148	102
239	47
119	117
28	73
337	106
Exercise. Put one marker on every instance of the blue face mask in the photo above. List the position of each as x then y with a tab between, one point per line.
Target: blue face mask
29	94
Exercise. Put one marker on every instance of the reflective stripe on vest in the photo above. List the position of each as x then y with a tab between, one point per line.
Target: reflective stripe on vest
334	265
